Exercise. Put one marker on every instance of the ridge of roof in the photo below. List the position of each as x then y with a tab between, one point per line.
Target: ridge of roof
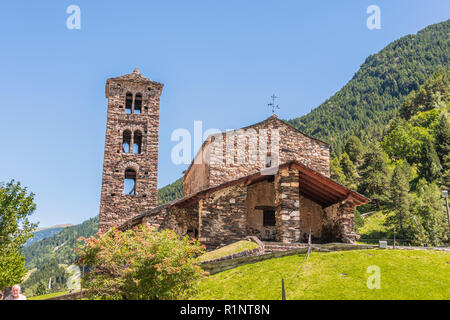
272	117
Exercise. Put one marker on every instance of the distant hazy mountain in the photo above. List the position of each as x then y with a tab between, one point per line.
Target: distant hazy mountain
43	233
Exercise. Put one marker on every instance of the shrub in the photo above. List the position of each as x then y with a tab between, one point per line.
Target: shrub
140	264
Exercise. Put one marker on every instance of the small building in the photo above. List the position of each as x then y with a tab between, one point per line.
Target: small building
282	205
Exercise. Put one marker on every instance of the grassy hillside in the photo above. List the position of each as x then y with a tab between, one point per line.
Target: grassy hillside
229	249
406	274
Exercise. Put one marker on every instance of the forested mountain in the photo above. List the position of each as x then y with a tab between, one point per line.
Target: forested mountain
60	246
45	233
171	192
373	96
404	171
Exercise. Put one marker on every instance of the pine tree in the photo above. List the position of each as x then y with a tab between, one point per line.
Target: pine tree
336	171
430	220
354	149
400	199
429	167
375	175
442	133
349	170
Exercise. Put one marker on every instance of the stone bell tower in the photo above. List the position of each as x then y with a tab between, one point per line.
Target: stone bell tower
130	165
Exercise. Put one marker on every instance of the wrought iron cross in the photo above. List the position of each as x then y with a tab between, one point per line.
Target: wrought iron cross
272	104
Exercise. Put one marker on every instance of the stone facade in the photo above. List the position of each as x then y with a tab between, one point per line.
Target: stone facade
115	206
232	211
288	210
214	165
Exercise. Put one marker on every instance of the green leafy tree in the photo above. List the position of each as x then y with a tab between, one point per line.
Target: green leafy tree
375	175
403	141
15	229
140	264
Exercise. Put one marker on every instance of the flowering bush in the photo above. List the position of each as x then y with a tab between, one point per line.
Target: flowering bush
140	264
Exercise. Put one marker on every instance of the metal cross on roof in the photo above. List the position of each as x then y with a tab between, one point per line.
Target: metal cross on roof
272	104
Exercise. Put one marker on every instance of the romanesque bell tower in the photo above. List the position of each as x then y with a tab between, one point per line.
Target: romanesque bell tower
130	165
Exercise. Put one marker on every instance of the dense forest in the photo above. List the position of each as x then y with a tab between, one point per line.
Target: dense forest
404	171
171	192
364	106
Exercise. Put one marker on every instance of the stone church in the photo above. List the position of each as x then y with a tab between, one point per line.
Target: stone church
267	180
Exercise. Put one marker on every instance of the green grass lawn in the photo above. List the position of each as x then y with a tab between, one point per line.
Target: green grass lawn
405	274
230	249
47	296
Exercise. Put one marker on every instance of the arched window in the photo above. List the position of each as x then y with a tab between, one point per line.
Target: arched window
128	103
137	104
126	141
137	145
129	184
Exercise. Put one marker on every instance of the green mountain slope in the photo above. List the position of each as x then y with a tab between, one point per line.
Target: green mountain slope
366	103
60	246
171	191
45	233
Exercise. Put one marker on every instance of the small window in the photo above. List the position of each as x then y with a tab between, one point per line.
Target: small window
137	104
269	161
137	143
128	103
269	218
126	141
129	186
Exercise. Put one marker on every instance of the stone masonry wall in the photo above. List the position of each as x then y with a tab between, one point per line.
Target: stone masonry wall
338	224
288	214
224	216
293	145
116	207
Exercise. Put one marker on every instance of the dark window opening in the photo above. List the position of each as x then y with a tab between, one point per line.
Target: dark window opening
269	161
269	218
129	185
137	143
137	104
126	141
193	233
128	103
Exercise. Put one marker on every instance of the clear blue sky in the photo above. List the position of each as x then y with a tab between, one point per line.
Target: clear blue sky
219	60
